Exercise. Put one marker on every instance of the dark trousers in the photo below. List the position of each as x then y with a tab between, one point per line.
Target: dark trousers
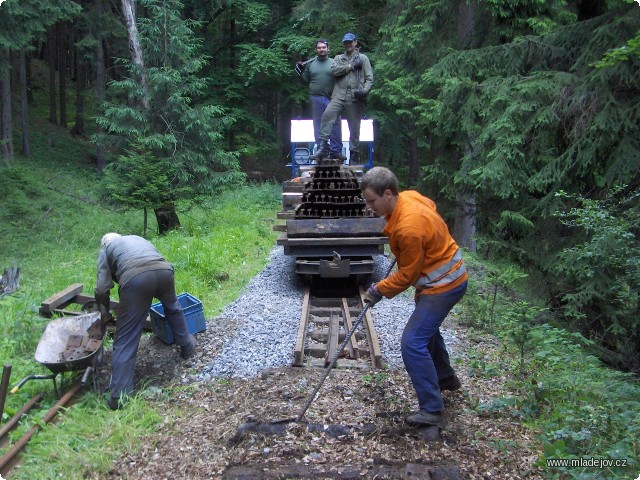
135	301
353	110
424	352
318	106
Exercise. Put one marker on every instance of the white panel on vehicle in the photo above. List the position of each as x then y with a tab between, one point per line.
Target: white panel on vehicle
366	130
302	131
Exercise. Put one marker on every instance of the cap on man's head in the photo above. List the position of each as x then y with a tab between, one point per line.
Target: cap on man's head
108	237
348	37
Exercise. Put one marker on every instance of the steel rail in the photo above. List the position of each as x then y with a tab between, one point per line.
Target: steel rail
12	422
51	413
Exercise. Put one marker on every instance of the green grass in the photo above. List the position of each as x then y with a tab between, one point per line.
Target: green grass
51	226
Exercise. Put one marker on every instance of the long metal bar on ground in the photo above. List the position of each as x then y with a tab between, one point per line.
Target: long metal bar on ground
13	421
51	413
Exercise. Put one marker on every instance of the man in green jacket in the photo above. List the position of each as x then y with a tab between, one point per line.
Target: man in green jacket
354	79
317	74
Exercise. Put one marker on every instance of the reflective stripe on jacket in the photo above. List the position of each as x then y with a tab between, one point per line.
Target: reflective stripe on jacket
421	242
447	273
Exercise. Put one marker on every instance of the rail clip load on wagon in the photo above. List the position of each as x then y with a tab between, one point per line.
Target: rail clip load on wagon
327	227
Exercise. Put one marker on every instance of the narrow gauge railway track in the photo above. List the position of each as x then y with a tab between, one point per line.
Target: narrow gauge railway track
328	314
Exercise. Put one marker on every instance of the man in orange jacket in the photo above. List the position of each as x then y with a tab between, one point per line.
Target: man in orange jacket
429	260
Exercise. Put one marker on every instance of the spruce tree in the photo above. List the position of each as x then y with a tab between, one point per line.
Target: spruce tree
184	135
22	23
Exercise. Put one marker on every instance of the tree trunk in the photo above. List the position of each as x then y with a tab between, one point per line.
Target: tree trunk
129	12
6	141
145	223
167	218
100	88
29	80
78	128
414	162
62	72
24	106
51	59
464	228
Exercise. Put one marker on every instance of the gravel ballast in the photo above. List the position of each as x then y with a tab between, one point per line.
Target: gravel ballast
265	322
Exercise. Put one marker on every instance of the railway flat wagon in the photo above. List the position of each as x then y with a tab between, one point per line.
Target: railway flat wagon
327	227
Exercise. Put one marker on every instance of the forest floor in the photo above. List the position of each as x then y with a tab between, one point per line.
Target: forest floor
354	429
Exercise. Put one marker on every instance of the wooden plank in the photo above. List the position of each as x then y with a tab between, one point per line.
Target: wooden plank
293	187
372	337
336	227
353	346
283	239
298	350
321	335
332	343
82	299
291	198
60	298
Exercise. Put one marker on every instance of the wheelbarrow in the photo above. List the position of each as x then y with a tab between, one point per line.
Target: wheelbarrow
70	343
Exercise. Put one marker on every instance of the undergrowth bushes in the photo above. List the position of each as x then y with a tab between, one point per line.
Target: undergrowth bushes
579	407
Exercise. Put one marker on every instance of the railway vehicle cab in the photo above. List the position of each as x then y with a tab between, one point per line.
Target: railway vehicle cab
326	225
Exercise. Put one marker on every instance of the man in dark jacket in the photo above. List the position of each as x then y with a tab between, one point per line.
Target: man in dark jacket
317	73
142	274
354	79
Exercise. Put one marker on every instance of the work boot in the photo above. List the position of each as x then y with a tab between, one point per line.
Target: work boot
322	152
354	156
113	403
338	156
189	351
424	419
116	403
451	383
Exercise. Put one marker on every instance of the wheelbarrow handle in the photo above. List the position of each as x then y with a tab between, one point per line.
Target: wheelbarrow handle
31	377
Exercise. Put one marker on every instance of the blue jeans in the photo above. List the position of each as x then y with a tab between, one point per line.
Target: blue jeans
318	106
424	352
135	300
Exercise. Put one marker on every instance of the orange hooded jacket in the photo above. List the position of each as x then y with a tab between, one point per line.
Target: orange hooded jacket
420	240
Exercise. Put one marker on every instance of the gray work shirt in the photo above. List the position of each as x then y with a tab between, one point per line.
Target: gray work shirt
125	257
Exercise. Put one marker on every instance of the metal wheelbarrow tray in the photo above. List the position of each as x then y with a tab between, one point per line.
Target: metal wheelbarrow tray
69	344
